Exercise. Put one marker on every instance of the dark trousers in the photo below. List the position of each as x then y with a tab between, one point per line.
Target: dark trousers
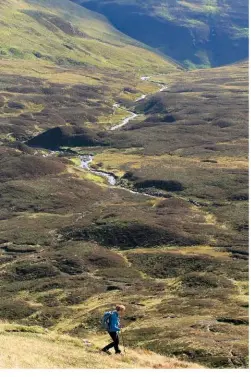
115	343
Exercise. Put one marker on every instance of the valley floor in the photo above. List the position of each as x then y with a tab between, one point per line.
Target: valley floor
167	235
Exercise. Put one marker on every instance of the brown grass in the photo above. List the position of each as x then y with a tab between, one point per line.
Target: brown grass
52	351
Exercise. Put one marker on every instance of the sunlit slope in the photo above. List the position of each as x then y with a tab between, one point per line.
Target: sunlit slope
32	347
56	58
64	33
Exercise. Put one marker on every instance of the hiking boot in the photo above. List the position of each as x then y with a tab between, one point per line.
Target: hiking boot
106	351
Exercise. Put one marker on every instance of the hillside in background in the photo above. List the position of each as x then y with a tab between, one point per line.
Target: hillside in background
56	56
64	33
198	33
168	237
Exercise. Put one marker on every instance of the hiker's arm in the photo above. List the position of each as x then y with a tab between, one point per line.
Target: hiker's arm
117	325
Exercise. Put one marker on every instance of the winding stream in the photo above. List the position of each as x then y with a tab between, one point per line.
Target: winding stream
86	160
132	114
140	98
125	121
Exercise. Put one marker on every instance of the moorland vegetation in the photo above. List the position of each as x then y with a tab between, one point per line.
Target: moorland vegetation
71	245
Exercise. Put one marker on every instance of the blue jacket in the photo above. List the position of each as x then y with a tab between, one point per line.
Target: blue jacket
114	322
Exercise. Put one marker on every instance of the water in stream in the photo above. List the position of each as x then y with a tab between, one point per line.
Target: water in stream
86	160
134	115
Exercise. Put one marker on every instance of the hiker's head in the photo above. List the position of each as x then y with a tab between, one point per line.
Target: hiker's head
120	309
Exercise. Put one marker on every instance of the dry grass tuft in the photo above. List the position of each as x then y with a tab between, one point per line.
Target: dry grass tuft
48	351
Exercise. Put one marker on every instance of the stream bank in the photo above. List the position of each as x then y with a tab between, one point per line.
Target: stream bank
86	160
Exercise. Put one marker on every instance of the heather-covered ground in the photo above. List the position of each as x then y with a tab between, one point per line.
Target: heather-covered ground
72	245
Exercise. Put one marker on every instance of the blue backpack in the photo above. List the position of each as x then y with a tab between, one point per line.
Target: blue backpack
105	322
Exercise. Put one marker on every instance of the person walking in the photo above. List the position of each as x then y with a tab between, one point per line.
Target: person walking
113	327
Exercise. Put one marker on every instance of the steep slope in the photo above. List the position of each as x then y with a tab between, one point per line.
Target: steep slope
56	56
181	302
32	347
195	32
72	246
169	240
64	33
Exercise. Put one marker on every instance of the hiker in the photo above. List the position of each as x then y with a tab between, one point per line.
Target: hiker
112	320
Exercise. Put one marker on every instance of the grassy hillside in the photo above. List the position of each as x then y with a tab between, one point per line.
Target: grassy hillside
56	56
32	347
191	146
71	245
64	33
189	301
198	33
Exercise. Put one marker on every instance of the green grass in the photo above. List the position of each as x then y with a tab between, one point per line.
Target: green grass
201	24
97	43
67	55
31	351
170	312
72	247
240	32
